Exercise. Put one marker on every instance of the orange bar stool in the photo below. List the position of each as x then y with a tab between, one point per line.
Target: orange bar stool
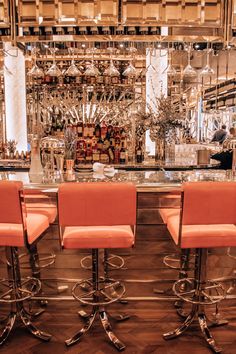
97	216
18	229
37	202
207	220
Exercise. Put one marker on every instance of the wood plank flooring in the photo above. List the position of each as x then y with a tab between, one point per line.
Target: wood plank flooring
142	333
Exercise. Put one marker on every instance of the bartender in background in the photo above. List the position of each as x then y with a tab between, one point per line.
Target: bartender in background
220	135
227	155
230	138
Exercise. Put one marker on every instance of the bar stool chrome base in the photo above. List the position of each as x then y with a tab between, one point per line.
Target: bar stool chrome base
99	291
106	326
19	291
199	313
199	292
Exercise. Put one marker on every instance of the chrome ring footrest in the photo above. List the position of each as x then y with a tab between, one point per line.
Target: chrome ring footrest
190	290
45	260
173	261
28	288
113	261
109	290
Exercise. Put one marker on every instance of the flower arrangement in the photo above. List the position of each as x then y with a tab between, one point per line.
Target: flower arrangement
167	118
161	116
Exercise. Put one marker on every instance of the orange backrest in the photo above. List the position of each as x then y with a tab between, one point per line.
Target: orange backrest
209	203
10	207
97	204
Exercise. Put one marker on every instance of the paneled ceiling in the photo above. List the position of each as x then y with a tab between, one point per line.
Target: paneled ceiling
207	20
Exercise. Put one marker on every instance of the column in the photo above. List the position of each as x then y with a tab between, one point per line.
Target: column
15	96
156	83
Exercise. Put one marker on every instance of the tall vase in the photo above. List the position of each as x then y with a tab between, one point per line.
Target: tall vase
36	169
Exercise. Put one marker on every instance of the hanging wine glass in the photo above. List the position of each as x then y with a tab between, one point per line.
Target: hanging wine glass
54	70
35	71
130	71
207	70
91	69
111	70
72	70
189	71
169	70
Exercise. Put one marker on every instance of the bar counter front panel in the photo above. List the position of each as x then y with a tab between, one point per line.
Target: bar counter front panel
156	189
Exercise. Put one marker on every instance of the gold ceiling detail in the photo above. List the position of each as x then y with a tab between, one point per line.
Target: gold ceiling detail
173	12
4	13
67	12
125	12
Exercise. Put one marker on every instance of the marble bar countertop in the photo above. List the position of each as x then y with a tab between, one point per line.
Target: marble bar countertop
178	164
144	180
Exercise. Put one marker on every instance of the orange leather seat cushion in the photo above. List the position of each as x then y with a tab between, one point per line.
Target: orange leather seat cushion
48	210
13	235
202	236
167	212
98	237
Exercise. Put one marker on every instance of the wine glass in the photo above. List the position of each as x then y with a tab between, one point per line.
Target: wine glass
189	71
207	70
170	70
54	70
35	71
130	71
72	70
91	69
111	70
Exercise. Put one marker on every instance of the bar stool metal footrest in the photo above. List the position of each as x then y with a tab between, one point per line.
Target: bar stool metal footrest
109	291
188	289
45	260
173	261
113	262
28	288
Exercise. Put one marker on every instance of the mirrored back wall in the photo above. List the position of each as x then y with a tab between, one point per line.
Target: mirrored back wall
86	75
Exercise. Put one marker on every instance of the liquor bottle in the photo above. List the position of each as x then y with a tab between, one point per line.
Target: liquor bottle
111	154
80	129
100	144
86	131
106	144
117	154
54	125
122	154
103	130
22	155
96	155
89	153
94	142
112	138
109	131
97	131
80	151
117	136
139	153
91	129
123	138
104	157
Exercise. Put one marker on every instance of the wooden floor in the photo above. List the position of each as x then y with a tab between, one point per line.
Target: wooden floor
149	319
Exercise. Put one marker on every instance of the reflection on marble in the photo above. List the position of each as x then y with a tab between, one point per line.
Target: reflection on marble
142	179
